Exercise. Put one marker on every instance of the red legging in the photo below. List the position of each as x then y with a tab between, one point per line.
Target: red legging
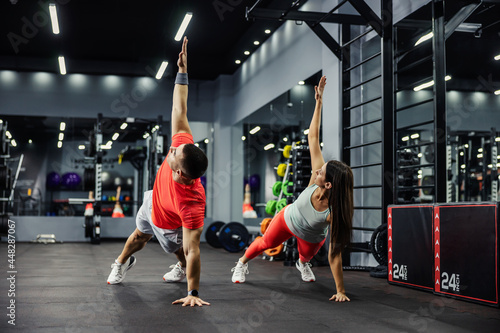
277	233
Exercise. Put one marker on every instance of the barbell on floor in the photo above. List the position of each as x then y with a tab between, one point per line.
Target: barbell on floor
232	236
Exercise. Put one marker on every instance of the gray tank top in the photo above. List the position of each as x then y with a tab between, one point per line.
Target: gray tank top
304	221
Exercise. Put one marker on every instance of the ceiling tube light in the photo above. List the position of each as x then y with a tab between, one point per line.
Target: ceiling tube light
285	139
53	18
429	84
306	131
183	27
246	53
405	138
62	65
424	38
62	126
254	130
123	126
415	136
59	144
61	136
267	31
161	70
30	141
206	141
243	138
7	133
237	61
256	42
269	146
115	136
301	83
81	147
497	92
497	57
13	143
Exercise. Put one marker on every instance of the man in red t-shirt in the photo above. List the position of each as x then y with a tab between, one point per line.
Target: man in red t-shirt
174	210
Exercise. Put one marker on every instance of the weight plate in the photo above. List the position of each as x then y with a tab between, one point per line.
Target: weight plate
234	237
4	224
287	188
264	225
271	207
275	250
281	204
277	188
286	151
212	234
378	244
281	170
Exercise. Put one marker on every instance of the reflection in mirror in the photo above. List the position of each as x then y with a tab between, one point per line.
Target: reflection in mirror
59	159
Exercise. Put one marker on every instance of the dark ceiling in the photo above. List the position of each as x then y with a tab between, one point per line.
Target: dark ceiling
126	37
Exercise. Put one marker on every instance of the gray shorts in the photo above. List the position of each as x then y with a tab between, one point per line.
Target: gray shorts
170	239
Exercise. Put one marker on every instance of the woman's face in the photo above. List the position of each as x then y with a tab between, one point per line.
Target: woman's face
321	177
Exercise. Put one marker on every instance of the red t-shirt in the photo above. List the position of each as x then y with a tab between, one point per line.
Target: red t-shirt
174	204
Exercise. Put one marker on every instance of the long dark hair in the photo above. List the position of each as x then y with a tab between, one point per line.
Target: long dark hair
341	205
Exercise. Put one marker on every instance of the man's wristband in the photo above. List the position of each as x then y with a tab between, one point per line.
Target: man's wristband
193	292
182	78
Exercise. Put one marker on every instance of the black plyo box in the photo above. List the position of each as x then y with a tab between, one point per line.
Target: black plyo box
410	246
466	251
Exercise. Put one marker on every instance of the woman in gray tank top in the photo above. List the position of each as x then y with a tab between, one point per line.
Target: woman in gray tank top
326	203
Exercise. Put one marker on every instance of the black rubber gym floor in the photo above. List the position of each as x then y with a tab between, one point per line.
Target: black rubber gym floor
62	288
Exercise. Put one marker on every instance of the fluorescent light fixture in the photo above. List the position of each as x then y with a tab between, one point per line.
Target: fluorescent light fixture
13	143
285	139
497	139
479	155
109	143
254	130
420	154
30	141
59	144
53	18
419	176
62	126
115	136
256	42
306	131
161	70
197	144
246	52
466	145
424	38
1	121
146	135
420	172
267	31
7	133
321	144
123	126
497	92
462	166
61	136
405	138
62	65
497	57
480	150
243	138
183	27
415	136
206	141
490	166
237	61
462	153
301	83
269	146
429	84
106	147
81	147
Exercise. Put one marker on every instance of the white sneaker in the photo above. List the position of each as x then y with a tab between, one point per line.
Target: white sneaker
118	270
239	272
177	274
305	271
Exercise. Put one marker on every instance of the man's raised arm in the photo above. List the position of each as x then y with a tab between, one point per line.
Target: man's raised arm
179	105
